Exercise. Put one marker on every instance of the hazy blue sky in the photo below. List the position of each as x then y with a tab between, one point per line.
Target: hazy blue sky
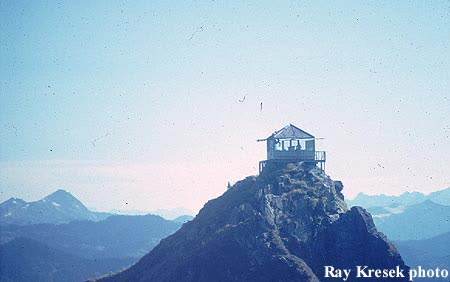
135	104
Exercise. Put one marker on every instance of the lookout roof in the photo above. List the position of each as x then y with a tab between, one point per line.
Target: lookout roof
291	131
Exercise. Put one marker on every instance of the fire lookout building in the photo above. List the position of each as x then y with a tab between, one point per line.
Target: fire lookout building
291	144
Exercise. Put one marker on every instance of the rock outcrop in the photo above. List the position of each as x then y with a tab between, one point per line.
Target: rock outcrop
283	225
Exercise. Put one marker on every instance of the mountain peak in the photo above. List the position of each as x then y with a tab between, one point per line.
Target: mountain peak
58	207
60	193
283	225
14	201
428	203
62	197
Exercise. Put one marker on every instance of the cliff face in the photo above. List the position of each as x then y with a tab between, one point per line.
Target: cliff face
284	225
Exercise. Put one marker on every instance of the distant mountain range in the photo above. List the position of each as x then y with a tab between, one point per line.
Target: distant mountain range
63	207
169	214
58	207
28	260
183	218
406	199
115	237
172	214
59	239
420	221
410	216
429	253
419	224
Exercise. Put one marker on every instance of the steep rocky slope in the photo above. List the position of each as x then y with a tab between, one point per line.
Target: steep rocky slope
284	225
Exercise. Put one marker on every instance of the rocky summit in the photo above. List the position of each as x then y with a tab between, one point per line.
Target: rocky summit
287	224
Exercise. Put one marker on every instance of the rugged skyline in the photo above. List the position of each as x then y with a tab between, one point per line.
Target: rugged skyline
124	103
